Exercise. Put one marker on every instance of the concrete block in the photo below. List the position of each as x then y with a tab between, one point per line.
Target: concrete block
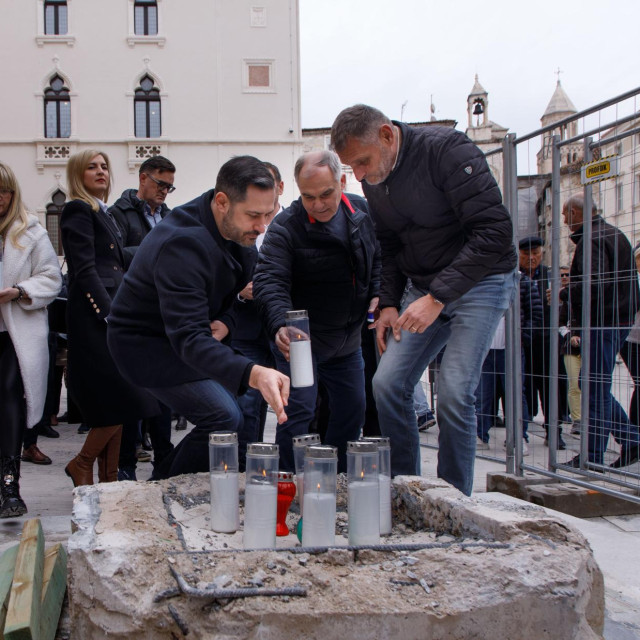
579	501
485	569
513	485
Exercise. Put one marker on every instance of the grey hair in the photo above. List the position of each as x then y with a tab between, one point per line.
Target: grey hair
577	202
361	122
319	159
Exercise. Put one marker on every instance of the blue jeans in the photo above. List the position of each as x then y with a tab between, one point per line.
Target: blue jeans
209	406
466	326
420	402
343	378
605	413
251	403
493	367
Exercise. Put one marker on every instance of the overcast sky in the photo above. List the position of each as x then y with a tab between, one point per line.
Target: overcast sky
384	53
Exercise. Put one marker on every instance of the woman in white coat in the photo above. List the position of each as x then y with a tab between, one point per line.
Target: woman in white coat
29	280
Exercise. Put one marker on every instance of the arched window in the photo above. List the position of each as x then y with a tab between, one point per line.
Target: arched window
57	109
145	17
54	211
147	109
55	17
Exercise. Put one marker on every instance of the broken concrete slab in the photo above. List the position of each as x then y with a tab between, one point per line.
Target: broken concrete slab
475	570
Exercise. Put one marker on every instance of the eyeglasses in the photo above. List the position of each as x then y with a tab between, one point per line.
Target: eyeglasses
163	186
564	275
6	192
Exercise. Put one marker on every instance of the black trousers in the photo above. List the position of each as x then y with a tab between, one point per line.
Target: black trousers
14	411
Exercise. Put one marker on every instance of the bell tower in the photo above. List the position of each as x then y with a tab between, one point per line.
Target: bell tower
478	106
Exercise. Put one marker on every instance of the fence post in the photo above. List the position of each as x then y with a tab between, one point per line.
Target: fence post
513	350
554	350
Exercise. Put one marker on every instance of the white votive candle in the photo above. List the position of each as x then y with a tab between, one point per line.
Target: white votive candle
225	515
386	524
319	522
301	363
260	509
364	513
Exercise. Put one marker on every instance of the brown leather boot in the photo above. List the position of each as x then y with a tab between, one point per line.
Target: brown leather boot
108	458
80	469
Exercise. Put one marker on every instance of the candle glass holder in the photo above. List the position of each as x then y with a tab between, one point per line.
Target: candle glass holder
363	493
223	477
300	359
320	481
286	494
261	496
300	443
384	481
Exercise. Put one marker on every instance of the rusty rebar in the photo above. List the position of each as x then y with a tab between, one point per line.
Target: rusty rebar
227	594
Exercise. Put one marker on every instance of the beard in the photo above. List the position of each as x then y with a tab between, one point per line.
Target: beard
235	234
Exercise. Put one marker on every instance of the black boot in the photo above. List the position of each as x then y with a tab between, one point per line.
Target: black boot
12	505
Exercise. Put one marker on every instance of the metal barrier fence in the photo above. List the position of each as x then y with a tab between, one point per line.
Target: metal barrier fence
594	154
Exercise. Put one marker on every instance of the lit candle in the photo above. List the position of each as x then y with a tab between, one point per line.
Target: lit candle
261	496
364	512
223	477
260	508
301	363
363	487
319	524
225	517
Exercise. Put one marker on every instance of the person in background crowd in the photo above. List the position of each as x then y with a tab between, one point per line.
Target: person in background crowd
29	280
614	303
441	223
138	211
570	351
93	248
537	364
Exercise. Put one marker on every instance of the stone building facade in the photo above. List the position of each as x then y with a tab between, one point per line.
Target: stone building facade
198	82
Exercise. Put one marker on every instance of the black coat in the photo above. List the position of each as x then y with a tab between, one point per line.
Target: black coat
128	210
95	260
183	276
613	278
439	217
302	266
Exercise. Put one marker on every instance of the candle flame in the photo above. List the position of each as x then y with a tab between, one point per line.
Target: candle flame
264	473
362	475
225	467
318	486
299	336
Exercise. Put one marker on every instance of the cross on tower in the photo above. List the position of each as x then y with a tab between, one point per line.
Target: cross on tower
558	71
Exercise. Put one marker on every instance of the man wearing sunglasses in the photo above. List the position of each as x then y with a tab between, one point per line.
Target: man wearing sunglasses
137	211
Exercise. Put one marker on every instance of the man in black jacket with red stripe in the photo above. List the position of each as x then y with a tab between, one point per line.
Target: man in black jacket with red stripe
440	222
321	255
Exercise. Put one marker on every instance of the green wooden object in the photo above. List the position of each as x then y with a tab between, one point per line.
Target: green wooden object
23	614
54	584
7	565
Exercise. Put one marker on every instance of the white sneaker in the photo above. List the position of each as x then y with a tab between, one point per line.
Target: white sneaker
482	446
525	448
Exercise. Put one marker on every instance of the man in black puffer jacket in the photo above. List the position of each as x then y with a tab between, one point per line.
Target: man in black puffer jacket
321	255
440	222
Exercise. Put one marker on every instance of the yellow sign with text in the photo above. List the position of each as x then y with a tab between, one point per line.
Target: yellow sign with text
602	169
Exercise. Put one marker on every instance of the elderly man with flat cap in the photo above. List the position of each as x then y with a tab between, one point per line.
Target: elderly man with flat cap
537	357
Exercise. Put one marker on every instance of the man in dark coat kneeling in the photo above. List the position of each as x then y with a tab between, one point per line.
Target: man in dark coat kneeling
171	320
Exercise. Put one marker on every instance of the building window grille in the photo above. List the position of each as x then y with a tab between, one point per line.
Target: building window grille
57	109
54	211
55	17
148	123
145	17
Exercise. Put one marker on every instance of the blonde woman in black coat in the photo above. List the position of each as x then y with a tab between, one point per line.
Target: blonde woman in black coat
93	248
